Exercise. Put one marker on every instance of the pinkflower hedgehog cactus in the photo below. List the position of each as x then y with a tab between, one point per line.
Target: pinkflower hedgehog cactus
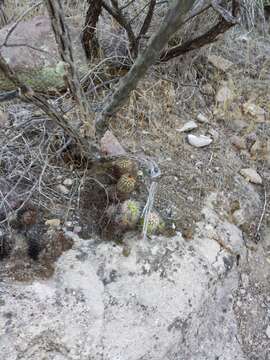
130	213
155	223
124	216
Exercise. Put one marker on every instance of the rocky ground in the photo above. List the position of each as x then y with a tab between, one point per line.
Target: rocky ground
201	293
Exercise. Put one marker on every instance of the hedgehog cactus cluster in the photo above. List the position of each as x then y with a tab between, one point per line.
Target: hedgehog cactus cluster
125	185
124	166
127	214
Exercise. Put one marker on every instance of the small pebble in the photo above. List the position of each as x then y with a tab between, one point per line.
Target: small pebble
77	229
245	280
256	148
219	62
238	142
208	89
268	331
255	111
69	224
52	222
238	125
202	118
251	139
251	175
239	217
190	125
224	94
214	134
68	182
199	141
64	190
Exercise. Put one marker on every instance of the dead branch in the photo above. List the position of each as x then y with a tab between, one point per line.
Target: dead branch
226	22
10	95
205	39
89	40
117	14
172	22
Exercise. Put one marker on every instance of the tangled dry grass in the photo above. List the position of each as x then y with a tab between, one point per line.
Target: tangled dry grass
30	161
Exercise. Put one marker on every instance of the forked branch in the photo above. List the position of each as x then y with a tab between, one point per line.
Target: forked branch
148	19
118	15
226	21
172	22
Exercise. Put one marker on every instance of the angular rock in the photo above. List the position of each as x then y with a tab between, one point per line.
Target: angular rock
255	111
239	142
256	148
251	175
220	63
208	89
214	133
199	141
224	95
41	69
238	125
68	182
251	139
64	190
239	217
77	229
202	118
53	222
190	125
110	146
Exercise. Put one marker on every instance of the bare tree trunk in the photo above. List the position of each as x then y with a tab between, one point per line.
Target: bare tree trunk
89	39
172	22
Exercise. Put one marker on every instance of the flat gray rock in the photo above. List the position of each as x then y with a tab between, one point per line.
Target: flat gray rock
169	299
